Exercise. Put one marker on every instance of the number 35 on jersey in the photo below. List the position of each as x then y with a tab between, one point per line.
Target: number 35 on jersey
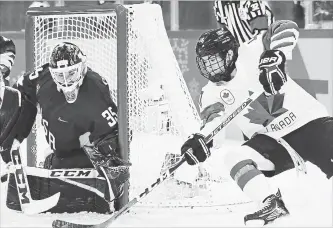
110	116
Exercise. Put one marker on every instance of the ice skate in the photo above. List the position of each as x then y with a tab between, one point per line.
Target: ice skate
272	208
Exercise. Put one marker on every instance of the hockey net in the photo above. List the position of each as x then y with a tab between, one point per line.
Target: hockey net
160	110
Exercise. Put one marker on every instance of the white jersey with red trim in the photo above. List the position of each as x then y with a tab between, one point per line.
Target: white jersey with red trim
275	115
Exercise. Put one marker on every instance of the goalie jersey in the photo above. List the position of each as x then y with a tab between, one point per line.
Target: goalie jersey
64	123
275	115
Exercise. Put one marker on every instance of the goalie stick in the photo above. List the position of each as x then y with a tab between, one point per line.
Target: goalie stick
64	224
28	205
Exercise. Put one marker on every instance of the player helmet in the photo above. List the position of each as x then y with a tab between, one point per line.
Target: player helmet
68	68
217	52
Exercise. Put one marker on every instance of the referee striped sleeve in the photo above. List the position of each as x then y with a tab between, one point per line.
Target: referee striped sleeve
237	15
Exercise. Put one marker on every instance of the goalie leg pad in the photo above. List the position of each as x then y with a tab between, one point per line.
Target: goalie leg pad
73	199
243	172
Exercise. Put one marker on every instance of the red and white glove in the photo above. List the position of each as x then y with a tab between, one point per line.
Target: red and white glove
282	35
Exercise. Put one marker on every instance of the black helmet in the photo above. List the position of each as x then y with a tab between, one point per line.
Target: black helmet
217	52
68	52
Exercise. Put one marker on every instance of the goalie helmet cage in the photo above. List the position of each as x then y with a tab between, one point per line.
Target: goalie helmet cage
129	47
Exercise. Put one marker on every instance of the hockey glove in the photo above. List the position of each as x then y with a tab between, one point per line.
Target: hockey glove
282	35
105	156
195	149
272	71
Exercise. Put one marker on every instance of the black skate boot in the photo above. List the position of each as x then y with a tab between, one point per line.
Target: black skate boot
273	207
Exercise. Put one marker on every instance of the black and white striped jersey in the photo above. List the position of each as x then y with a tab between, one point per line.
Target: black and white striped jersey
239	17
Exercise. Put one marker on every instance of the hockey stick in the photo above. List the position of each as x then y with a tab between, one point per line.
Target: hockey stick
28	205
83	186
164	176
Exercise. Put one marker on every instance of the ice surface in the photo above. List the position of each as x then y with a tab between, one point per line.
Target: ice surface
308	198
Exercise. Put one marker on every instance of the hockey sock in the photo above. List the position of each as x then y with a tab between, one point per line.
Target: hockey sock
251	180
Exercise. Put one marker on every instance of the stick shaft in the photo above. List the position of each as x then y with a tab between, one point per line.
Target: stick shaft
252	96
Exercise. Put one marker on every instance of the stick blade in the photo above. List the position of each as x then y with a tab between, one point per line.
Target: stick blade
39	206
63	224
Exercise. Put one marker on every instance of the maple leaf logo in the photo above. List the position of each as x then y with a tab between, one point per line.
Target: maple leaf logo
266	109
225	95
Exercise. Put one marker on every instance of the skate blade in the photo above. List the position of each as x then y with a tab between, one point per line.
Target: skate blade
255	223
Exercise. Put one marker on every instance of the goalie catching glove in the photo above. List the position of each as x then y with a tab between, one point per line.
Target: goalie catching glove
195	149
272	71
105	156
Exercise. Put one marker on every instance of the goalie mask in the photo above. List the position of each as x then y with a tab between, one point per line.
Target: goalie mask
68	68
217	52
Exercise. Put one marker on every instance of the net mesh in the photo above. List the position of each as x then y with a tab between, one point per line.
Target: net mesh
160	109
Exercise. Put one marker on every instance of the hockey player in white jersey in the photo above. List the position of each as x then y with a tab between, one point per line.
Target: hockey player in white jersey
253	25
284	113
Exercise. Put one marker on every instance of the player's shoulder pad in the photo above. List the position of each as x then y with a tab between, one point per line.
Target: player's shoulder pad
34	75
39	72
97	78
98	81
